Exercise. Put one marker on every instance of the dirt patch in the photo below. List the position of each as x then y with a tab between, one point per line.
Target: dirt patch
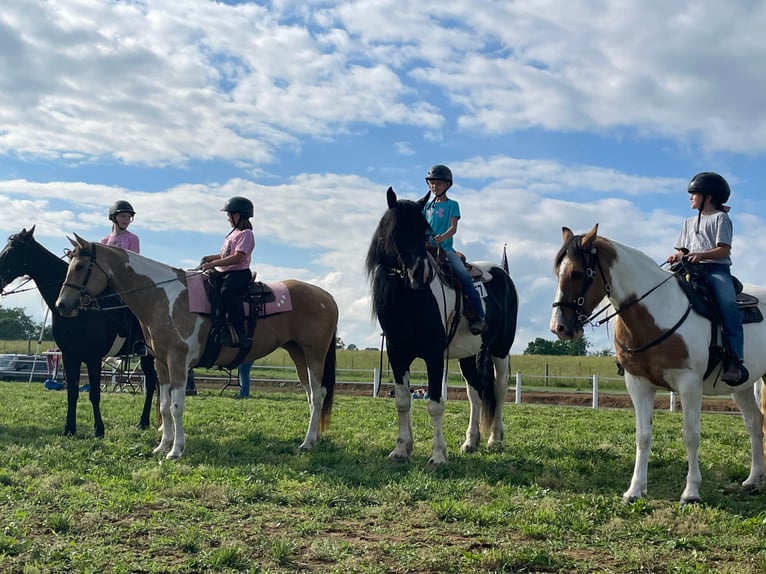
574	399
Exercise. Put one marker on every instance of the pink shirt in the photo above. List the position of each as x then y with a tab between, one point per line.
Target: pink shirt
239	240
125	240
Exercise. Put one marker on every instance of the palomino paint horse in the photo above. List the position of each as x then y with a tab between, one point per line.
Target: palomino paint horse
418	314
87	338
660	343
157	294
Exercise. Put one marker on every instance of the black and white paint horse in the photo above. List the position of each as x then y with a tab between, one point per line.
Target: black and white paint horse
420	319
87	338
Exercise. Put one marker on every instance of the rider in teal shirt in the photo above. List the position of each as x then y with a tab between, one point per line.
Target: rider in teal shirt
443	214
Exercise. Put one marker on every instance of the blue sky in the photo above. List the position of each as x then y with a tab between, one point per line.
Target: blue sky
550	114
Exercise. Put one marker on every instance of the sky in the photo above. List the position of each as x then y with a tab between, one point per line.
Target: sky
549	114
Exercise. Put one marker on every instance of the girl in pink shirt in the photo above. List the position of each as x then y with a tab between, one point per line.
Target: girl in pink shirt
121	215
233	261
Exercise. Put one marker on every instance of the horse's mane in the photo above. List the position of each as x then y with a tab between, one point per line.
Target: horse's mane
402	225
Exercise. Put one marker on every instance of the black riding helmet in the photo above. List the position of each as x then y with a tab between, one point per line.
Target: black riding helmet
710	183
120	206
439	172
238	204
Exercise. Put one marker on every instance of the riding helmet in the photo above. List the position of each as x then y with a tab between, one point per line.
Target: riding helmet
238	204
120	206
439	172
710	183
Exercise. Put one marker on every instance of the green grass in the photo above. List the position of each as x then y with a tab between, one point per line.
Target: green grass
243	500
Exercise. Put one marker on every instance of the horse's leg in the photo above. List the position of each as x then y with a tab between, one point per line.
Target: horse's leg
500	388
150	386
311	379
436	404
72	371
403	400
690	390
94	394
166	442
641	393
472	383
753	419
177	404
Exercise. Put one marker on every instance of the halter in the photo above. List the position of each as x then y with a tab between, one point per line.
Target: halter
401	270
583	317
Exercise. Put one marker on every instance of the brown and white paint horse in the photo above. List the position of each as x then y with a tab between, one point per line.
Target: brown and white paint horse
157	294
660	344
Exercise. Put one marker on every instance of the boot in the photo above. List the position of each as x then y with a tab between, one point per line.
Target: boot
736	374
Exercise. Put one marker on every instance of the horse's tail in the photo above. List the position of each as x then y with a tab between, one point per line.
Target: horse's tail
486	369
328	384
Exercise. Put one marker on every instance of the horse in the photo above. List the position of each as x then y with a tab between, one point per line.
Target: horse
661	342
158	295
87	338
420	317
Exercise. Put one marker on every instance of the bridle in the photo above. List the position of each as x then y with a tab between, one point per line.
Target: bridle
592	266
87	300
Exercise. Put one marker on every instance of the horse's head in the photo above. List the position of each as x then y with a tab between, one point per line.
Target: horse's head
399	242
85	278
13	257
581	283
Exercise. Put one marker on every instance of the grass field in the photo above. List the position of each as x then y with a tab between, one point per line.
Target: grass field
242	500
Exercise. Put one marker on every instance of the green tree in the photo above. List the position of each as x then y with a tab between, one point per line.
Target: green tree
572	347
16	324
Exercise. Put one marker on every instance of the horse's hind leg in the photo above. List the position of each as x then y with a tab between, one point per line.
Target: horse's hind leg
500	389
94	394
472	383
753	420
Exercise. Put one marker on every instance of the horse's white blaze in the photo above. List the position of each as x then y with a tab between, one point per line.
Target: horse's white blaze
677	363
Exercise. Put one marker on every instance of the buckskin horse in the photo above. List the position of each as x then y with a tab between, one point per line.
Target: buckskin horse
87	338
159	297
420	317
661	342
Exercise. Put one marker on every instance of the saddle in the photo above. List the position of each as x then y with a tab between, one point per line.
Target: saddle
693	280
445	273
254	298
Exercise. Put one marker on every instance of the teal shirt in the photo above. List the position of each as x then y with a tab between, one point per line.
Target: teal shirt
439	216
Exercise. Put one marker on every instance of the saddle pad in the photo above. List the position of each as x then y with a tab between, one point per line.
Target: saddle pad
199	303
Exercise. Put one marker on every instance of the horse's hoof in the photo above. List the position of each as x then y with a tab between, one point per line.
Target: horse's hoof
69	431
691	500
630	499
172	455
434	462
468	447
398	457
99	433
142	425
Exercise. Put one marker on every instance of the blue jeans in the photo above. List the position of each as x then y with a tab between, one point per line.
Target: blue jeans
458	268
243	374
721	285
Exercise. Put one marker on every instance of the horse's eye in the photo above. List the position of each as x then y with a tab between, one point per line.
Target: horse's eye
577	275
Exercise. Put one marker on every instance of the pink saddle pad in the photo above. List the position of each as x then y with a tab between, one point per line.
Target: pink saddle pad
199	303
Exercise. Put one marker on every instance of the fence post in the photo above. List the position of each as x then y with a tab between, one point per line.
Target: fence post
375	382
595	391
672	401
518	388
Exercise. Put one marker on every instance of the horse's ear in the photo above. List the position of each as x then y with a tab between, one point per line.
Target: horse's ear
423	200
78	241
589	238
391	197
567	234
31	231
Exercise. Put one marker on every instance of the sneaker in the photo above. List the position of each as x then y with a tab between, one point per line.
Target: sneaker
477	325
735	375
